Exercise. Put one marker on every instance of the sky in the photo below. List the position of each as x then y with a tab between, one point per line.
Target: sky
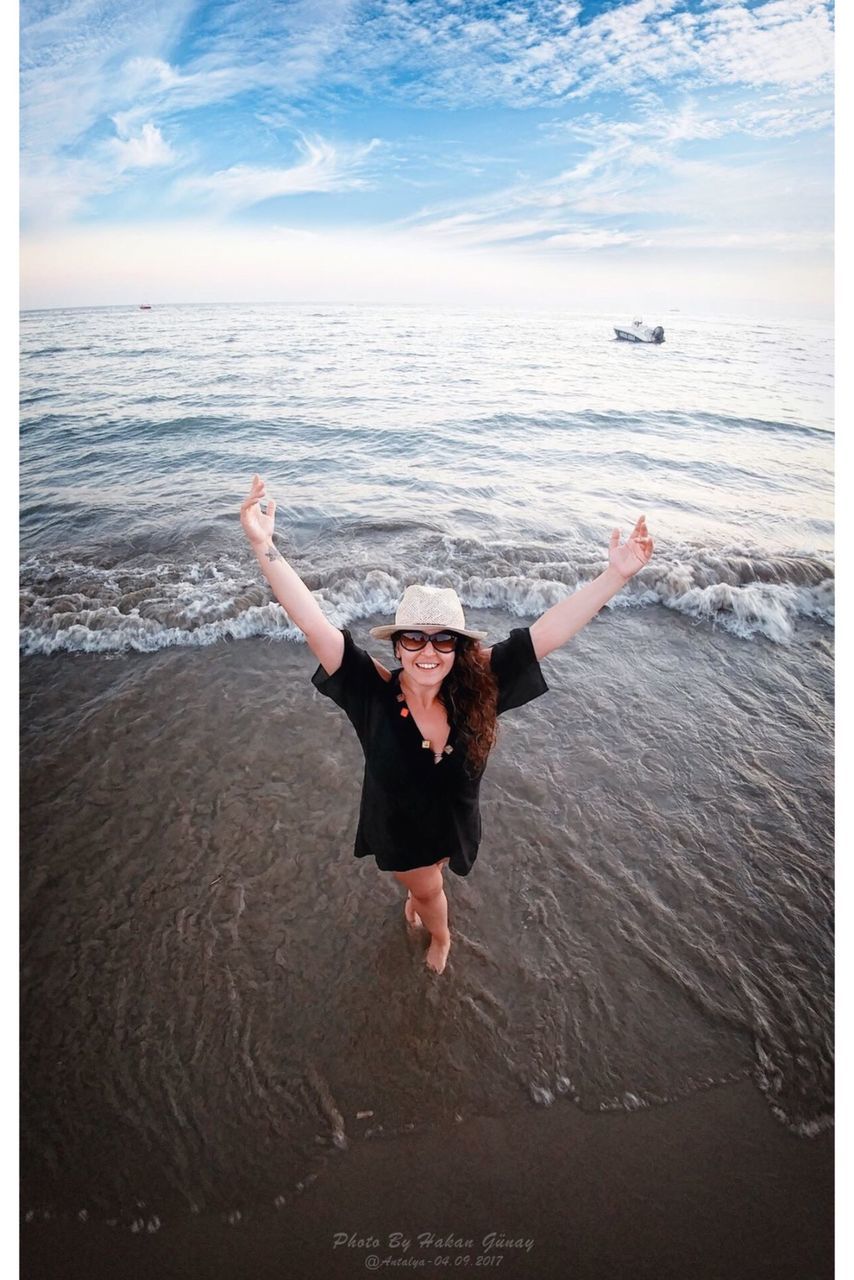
636	155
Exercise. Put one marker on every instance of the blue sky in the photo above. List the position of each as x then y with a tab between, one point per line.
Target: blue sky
428	150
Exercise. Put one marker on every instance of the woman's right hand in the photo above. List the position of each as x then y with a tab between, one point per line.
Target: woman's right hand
257	525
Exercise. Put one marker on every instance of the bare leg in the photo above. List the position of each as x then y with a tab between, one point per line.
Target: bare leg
412	916
428	902
433	909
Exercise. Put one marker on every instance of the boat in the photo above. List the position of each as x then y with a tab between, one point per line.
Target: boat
145	306
637	331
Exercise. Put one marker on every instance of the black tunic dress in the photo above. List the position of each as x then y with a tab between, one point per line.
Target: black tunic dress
413	811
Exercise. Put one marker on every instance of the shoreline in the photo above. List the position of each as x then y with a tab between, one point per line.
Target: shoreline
708	1186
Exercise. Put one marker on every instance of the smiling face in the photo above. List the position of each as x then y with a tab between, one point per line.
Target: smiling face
425	668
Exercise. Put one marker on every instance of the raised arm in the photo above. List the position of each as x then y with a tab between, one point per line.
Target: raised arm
325	641
567	617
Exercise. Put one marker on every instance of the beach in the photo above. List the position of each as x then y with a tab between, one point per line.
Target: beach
231	1048
711	1186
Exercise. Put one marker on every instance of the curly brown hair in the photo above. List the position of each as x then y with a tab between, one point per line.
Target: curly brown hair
470	696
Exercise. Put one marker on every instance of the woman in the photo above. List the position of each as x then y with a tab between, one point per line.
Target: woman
426	727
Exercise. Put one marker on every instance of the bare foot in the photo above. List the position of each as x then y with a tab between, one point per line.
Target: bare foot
412	916
437	953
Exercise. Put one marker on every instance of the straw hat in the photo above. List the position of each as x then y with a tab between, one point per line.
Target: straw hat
428	607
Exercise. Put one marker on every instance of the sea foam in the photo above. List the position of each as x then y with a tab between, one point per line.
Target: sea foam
70	607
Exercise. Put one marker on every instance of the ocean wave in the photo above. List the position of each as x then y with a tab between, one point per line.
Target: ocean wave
72	607
648	422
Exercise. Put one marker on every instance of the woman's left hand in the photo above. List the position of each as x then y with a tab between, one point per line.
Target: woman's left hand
633	554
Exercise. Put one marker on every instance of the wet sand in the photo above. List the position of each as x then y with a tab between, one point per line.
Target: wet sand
710	1187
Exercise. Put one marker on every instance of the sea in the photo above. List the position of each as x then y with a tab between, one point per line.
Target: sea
217	997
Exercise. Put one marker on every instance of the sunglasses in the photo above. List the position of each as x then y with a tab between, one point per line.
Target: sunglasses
443	641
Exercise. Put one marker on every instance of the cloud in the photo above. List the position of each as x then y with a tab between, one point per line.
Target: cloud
142	74
792	241
695	120
54	190
98	58
72	82
144	151
438	54
74	59
325	168
57	187
92	61
598	239
785	122
245	47
784	42
636	178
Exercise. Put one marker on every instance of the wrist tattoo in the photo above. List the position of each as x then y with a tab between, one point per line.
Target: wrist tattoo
273	553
